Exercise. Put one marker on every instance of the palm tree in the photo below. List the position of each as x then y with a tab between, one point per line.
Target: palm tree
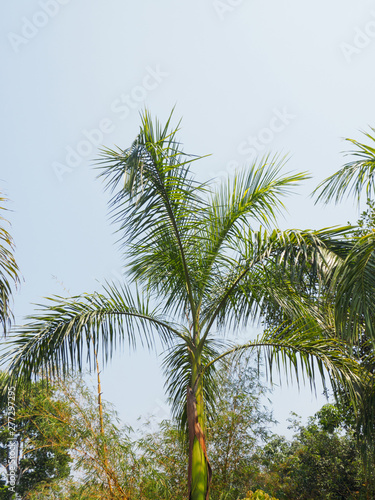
9	272
352	287
353	283
197	255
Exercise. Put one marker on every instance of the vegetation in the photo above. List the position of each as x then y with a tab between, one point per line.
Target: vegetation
352	288
152	465
9	272
241	423
258	495
201	264
33	441
322	461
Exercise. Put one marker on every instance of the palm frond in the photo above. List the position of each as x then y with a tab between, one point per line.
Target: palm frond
353	287
267	264
253	196
354	177
67	330
305	352
155	201
177	366
9	272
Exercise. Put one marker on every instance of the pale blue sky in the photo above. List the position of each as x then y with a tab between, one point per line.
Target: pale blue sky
291	76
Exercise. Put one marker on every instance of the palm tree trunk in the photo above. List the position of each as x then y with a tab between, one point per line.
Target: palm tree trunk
199	471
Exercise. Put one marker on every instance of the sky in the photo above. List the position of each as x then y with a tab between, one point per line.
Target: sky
247	77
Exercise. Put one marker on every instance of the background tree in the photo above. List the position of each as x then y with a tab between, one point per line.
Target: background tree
240	424
322	461
39	457
151	463
59	428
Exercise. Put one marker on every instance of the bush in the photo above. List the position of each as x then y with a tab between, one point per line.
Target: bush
258	495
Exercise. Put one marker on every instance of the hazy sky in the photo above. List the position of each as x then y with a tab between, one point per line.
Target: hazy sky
248	77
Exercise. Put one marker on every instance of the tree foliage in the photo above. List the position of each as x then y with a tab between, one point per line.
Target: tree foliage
9	272
152	462
30	436
211	260
322	461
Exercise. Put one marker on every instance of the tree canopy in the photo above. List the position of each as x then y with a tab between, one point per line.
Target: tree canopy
201	262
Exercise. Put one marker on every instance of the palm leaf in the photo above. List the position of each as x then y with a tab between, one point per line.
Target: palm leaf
66	330
268	264
254	196
155	202
302	352
177	367
353	288
354	177
9	272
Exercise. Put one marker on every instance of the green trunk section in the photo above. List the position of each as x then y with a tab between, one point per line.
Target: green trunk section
199	464
199	476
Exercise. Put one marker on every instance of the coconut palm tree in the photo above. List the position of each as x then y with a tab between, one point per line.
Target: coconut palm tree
201	263
9	272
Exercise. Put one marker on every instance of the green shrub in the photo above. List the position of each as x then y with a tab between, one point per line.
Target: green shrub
258	495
